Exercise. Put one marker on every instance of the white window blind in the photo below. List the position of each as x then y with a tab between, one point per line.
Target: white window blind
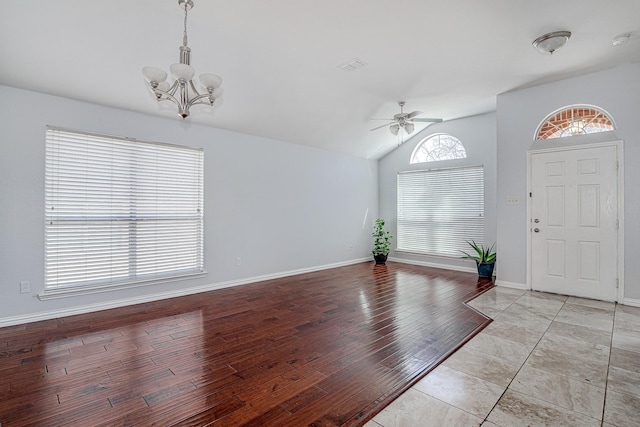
439	209
120	210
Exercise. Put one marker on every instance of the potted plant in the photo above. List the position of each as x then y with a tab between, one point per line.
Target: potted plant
485	258
382	239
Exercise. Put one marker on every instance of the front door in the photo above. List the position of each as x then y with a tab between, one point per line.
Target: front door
574	222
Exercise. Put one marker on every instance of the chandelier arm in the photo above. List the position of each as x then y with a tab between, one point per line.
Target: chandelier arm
193	88
165	96
198	100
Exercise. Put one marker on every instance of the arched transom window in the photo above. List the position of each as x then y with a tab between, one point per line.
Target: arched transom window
576	120
437	147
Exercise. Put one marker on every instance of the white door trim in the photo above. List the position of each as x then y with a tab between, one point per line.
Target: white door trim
620	153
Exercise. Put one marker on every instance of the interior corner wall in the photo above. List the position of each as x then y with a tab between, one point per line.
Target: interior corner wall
478	135
280	207
519	113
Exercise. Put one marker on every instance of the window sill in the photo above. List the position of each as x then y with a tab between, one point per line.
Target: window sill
49	294
413	252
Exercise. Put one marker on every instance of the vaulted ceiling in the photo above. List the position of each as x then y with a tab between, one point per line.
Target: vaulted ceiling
279	58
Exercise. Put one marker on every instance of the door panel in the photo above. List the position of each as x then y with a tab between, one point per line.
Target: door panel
574	222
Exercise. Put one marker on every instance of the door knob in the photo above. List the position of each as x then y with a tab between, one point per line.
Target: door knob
536	220
536	230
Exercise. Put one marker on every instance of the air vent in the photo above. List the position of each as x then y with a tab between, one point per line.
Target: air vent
354	64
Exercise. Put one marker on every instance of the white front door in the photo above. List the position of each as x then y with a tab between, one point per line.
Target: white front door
574	222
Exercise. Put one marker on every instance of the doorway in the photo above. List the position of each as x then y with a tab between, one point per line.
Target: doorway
574	229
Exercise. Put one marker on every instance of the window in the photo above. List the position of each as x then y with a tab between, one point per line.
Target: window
572	121
438	147
439	209
120	211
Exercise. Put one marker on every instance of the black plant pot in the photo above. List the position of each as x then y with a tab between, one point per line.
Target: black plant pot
380	258
485	269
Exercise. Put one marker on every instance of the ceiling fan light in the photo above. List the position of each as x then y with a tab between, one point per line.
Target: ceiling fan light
408	127
394	128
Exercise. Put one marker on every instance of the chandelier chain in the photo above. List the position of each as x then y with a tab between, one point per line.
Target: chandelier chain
184	36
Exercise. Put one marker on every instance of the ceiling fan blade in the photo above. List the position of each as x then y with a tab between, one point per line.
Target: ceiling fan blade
425	120
379	127
412	115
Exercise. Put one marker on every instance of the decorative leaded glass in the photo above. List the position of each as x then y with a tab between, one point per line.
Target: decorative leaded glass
577	120
438	147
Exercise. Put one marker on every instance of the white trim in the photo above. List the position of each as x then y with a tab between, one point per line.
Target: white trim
47	315
57	293
512	285
619	144
435	265
633	302
620	159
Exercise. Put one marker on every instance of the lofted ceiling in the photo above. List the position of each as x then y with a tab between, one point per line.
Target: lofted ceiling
279	59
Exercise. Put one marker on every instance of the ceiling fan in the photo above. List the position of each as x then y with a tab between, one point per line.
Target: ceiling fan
405	121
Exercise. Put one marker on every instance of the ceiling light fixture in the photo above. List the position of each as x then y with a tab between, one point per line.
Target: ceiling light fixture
550	42
182	91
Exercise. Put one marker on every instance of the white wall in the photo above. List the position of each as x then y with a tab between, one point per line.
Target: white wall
478	135
519	113
280	207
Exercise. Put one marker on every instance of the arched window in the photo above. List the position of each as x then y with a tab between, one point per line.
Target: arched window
437	147
575	120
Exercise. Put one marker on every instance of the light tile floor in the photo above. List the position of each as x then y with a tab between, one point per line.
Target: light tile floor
545	360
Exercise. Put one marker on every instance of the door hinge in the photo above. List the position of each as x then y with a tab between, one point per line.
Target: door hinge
617	224
617	165
617	283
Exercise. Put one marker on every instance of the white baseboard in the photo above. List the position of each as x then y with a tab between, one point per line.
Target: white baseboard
631	301
47	315
434	265
513	285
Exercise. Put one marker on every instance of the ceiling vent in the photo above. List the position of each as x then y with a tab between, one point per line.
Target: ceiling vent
354	64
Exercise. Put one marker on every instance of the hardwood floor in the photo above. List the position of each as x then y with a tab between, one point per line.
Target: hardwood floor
330	348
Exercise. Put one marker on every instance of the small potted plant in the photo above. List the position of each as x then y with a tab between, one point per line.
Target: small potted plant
485	258
382	240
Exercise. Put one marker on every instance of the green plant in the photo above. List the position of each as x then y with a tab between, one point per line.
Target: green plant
382	238
482	254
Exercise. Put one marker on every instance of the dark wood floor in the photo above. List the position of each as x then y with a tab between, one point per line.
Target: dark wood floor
330	348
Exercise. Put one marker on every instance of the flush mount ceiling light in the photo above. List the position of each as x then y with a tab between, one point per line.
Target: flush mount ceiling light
550	42
182	91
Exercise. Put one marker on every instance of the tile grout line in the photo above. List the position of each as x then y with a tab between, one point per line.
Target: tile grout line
606	380
525	361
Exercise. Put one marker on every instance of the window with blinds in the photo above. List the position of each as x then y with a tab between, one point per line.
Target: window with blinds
120	211
440	209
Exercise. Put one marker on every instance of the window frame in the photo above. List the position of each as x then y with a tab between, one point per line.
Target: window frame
561	120
142	200
424	141
416	239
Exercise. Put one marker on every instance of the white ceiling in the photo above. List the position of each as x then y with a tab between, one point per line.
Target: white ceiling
279	58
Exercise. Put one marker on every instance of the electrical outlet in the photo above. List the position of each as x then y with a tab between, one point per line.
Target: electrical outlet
25	287
238	261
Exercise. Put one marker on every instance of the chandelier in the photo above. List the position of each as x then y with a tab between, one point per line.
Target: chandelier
182	91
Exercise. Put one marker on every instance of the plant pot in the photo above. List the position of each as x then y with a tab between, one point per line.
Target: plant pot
485	269
380	258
